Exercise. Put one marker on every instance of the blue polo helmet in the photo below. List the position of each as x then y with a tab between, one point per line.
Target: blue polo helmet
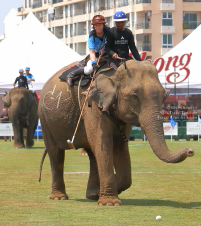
120	16
27	68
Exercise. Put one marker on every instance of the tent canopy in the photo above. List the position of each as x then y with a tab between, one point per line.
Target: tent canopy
186	53
32	45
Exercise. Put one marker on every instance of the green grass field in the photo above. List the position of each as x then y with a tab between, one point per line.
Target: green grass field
170	190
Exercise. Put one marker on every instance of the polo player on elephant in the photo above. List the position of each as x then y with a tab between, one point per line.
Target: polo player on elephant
96	43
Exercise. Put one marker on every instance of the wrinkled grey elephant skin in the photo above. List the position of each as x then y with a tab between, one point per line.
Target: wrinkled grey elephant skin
135	95
23	113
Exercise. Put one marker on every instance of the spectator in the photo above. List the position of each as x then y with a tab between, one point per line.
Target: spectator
21	80
190	114
4	119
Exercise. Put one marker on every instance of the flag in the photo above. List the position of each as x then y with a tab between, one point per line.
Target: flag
172	122
199	119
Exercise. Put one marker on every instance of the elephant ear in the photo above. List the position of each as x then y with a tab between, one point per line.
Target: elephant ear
7	100
166	94
103	91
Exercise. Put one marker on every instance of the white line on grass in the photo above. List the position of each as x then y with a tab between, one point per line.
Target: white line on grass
132	172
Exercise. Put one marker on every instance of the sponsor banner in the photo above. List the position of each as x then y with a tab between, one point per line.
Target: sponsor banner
193	128
6	129
136	128
169	130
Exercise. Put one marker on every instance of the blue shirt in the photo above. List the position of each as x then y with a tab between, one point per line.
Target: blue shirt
28	77
94	42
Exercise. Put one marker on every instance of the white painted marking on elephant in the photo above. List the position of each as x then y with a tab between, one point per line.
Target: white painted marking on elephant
69	92
52	98
52	92
59	97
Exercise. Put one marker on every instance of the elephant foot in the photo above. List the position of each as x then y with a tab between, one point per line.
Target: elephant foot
29	144
93	195
59	196
17	145
109	201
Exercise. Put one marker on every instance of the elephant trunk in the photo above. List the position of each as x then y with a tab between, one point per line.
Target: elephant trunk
153	128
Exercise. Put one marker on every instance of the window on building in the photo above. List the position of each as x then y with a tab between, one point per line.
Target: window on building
66	10
89	26
190	21
66	31
133	19
95	5
71	46
29	3
71	30
75	29
147	38
89	6
71	10
167	19
184	36
190	17
108	21
25	4
45	1
167	1
167	41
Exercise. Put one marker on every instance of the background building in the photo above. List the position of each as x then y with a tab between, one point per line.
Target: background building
158	25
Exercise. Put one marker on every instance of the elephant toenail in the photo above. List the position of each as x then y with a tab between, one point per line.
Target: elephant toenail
117	204
56	198
109	204
100	204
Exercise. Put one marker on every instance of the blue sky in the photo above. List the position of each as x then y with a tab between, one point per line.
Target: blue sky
5	7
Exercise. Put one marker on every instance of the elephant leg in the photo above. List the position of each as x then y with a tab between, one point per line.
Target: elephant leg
32	121
56	156
30	135
122	166
22	137
104	155
93	187
16	126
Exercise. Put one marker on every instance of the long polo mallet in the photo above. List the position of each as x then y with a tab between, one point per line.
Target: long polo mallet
70	142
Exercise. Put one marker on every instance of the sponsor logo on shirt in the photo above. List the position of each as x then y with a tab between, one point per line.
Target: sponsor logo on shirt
122	37
121	42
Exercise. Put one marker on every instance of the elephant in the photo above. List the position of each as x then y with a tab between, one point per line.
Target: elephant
23	113
130	95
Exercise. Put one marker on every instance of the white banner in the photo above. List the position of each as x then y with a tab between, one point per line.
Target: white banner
6	129
169	130
193	128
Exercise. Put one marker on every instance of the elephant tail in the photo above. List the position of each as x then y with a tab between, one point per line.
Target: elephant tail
41	163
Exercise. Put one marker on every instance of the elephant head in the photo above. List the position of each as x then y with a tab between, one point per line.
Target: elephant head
137	95
7	100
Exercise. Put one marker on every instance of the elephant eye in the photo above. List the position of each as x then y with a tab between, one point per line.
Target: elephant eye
134	95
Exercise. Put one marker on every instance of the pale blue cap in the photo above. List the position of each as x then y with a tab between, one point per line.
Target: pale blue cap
21	70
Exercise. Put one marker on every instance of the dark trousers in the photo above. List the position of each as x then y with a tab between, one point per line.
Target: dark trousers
115	63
